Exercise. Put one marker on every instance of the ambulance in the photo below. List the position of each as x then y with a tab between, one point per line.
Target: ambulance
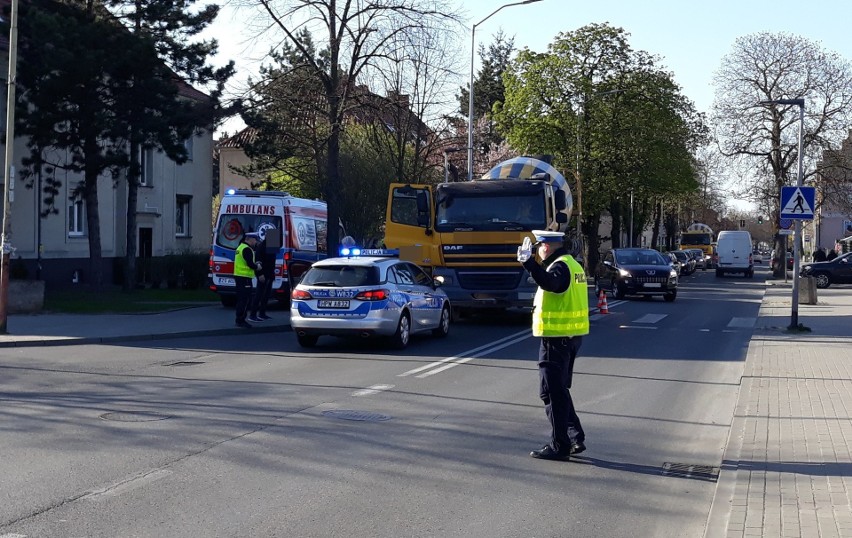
294	228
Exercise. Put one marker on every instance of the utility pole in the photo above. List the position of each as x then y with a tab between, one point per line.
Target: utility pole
9	174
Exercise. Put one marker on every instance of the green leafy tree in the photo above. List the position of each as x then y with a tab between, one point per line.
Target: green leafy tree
608	113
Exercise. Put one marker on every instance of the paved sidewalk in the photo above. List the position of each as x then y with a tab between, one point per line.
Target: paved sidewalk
787	468
65	329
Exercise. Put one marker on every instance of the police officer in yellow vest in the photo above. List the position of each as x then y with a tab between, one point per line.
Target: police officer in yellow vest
561	319
245	269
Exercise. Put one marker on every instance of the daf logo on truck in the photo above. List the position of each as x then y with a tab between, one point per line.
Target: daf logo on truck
453	247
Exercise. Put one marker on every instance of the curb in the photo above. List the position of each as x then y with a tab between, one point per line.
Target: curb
89	340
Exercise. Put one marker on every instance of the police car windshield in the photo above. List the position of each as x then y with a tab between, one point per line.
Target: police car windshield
341	276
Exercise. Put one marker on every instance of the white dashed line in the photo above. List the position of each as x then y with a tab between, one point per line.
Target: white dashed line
467	356
745	323
650	318
369	391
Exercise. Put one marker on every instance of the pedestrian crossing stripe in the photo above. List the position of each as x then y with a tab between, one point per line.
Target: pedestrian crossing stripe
797	202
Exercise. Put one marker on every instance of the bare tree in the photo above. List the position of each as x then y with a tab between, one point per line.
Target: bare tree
354	36
763	139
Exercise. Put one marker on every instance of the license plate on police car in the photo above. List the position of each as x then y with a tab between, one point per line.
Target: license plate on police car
332	303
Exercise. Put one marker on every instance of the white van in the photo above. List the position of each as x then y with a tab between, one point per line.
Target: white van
734	250
296	228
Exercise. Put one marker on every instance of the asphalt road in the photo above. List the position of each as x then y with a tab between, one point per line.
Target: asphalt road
249	435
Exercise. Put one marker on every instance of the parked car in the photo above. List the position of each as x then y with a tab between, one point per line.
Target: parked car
686	261
368	296
837	271
636	271
774	258
757	256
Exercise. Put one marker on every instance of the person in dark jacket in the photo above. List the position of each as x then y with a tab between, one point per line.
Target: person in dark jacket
561	319
819	255
245	269
264	253
831	255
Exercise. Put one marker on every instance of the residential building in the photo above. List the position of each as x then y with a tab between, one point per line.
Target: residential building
833	213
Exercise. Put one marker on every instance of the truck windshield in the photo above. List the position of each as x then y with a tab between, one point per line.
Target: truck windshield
696	239
491	212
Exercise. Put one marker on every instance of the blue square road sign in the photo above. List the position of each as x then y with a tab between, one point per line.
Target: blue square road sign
797	203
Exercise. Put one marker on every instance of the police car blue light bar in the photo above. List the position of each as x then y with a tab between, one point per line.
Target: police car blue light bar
375	252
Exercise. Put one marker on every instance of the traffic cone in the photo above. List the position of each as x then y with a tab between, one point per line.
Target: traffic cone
602	306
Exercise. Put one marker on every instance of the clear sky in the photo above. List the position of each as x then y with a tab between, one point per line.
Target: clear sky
690	37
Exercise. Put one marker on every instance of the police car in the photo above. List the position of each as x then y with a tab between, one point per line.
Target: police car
367	293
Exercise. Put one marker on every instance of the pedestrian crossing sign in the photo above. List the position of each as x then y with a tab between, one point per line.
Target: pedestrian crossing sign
797	203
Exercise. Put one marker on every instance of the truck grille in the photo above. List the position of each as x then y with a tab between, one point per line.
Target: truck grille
477	253
489	280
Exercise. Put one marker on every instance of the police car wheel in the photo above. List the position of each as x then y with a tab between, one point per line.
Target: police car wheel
401	337
307	340
443	327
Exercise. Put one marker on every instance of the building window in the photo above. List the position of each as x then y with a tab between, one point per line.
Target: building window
182	216
146	173
76	217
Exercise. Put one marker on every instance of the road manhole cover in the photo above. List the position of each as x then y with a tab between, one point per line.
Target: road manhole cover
134	416
348	414
688	470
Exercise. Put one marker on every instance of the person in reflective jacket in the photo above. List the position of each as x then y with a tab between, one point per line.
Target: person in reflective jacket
561	319
246	267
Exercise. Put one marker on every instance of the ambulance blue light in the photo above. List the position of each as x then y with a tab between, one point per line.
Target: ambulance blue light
231	192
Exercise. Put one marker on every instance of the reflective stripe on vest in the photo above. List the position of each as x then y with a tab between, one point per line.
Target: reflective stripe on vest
563	314
241	268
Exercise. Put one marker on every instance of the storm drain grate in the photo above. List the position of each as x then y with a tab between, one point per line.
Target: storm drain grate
134	416
688	470
185	363
348	414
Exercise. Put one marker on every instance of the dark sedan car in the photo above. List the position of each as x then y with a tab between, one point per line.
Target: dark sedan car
636	271
837	271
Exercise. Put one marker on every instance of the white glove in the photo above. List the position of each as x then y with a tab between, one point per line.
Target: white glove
259	266
525	250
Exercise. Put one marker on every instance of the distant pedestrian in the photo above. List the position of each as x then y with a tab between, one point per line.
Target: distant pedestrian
831	255
561	319
245	269
265	253
819	255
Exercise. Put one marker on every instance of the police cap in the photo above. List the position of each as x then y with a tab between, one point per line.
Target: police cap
546	236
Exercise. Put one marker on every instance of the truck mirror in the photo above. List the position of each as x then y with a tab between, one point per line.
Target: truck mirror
561	218
561	202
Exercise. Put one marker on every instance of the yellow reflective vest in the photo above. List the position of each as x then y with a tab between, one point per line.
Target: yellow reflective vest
563	314
241	268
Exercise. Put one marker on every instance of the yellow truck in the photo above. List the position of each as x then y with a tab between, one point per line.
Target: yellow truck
700	236
468	232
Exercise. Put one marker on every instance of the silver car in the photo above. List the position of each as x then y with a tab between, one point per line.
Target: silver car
367	296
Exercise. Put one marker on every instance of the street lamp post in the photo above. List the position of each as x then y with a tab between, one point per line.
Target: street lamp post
797	230
470	93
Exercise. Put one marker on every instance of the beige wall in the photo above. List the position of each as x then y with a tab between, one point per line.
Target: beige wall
228	178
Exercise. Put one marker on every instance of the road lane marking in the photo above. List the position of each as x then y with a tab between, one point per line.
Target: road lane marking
13	535
466	356
637	327
745	323
650	318
369	391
